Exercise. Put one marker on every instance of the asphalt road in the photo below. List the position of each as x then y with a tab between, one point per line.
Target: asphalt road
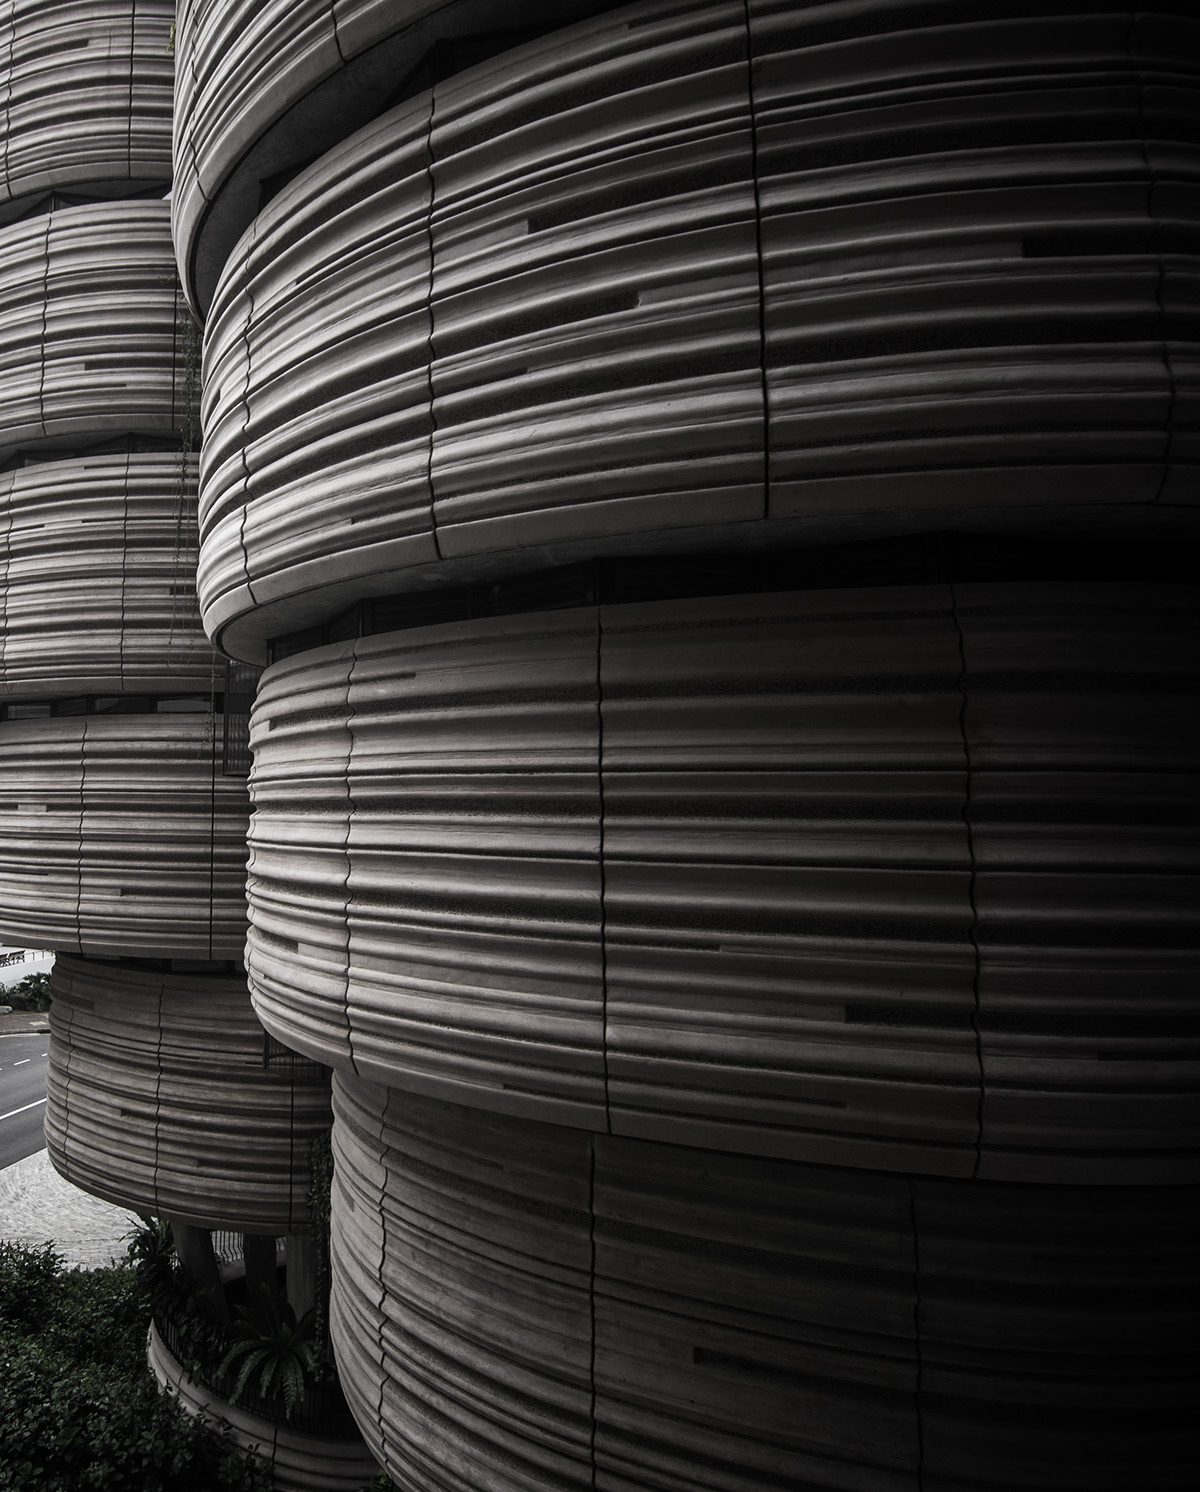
22	1096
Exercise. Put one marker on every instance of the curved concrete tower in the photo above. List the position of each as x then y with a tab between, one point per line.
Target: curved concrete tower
715	488
123	839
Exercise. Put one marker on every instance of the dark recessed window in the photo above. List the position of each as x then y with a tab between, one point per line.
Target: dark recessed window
122	704
183	704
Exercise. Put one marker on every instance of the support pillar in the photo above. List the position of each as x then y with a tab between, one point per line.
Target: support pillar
259	1252
195	1249
301	1273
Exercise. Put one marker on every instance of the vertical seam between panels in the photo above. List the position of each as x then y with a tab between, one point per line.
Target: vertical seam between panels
132	65
337	40
973	931
429	355
124	565
758	257
383	1119
916	1283
176	392
600	850
1159	332
1169	369
212	832
346	850
249	293
158	1041
6	20
45	309
592	1310
79	852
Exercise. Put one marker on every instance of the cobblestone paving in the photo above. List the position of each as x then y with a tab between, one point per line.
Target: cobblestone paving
37	1205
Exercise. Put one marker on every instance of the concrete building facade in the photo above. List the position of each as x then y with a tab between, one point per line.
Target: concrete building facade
714	487
123	839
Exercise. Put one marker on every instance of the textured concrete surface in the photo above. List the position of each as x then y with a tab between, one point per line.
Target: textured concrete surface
158	1099
37	1205
139	841
93	568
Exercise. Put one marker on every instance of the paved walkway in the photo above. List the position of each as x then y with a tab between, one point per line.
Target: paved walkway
24	1022
37	1205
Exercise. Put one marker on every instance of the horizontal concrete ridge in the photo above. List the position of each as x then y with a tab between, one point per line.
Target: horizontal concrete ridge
121	836
664	279
85	96
98	591
894	877
299	1462
263	86
88	311
158	1099
561	1310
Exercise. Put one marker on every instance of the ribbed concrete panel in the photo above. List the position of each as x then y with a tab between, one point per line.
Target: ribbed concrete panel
1081	722
502	1402
263	86
979	273
901	878
88	325
86	94
563	1310
317	407
95	579
158	1099
121	837
596	320
653	281
427	897
302	949
818	923
787	877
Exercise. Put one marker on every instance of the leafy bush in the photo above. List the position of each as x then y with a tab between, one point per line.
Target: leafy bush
272	1344
79	1408
100	1315
30	993
28	1284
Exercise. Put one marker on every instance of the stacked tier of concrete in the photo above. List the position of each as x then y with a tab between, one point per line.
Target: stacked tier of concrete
123	843
715	487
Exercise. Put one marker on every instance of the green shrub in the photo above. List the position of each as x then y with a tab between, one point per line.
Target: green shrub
66	1425
100	1315
79	1408
28	1284
30	993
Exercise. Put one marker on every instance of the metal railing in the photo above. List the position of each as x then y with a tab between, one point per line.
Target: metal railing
321	1411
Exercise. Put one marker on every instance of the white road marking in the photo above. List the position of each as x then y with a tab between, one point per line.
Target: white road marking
22	1062
12	1113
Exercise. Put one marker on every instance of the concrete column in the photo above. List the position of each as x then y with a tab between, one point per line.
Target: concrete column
259	1252
301	1272
195	1249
